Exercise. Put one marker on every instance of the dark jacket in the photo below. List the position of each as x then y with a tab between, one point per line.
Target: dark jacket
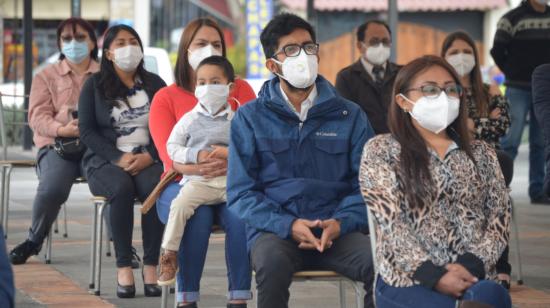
7	289
281	169
96	129
355	84
522	42
541	103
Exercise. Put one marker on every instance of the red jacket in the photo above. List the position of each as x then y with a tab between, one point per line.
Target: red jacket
172	102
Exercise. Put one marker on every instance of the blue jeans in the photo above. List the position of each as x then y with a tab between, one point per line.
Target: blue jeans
194	244
485	291
521	104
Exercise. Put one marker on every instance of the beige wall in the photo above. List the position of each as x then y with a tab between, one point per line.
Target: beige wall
57	9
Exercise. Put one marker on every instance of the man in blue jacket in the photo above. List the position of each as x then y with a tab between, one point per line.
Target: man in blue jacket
292	175
541	103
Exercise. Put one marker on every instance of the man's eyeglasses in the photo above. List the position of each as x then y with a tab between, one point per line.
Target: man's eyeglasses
377	41
78	37
293	50
433	91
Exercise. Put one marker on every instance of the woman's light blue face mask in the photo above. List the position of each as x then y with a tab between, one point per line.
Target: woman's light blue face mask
75	51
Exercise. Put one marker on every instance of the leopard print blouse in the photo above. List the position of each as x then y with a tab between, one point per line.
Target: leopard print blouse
470	214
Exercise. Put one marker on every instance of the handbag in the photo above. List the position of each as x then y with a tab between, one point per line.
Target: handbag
155	194
69	148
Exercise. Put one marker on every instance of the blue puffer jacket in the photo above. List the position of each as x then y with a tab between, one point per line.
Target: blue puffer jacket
281	169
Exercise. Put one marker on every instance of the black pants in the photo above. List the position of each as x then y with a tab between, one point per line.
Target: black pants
275	260
120	189
507	167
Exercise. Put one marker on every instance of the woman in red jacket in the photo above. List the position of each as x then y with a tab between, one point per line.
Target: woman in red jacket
202	38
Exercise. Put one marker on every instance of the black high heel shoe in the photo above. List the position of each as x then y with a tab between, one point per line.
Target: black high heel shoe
125	291
150	289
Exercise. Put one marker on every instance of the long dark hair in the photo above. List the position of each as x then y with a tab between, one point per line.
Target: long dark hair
479	93
113	89
73	22
183	72
414	174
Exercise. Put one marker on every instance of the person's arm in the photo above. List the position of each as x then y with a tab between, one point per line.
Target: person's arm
176	145
243	91
162	119
382	195
487	247
158	84
245	196
42	110
502	39
88	125
487	127
541	103
351	212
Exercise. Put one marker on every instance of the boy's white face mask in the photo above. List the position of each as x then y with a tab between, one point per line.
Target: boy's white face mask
212	96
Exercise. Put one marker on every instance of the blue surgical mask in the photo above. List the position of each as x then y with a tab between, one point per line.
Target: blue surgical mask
75	51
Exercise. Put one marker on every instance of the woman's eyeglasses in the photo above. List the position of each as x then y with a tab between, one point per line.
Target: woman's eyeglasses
433	91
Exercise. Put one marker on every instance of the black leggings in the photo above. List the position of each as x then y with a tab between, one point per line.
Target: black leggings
120	189
507	167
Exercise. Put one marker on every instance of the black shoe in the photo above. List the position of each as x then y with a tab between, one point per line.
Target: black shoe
136	260
542	200
125	291
505	284
229	305
150	289
23	251
191	305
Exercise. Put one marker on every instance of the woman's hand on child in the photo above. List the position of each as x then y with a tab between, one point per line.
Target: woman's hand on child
213	168
218	152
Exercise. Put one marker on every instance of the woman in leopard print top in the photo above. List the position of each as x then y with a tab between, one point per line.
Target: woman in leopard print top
439	201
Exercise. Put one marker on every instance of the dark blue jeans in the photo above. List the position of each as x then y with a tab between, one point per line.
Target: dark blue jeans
194	244
521	104
485	291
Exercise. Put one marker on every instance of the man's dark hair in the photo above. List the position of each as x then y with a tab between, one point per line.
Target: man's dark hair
363	28
222	63
282	25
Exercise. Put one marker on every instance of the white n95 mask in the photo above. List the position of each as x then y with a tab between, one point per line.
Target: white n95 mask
435	114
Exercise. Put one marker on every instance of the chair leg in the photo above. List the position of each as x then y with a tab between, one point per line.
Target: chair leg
93	246
342	290
48	254
56	225
516	239
176	294
164	298
5	200
359	293
107	232
2	195
66	232
99	245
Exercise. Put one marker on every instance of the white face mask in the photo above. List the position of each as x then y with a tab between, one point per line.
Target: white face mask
212	96
197	55
377	55
435	114
463	63
127	58
300	71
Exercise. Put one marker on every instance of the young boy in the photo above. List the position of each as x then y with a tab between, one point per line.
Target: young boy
201	134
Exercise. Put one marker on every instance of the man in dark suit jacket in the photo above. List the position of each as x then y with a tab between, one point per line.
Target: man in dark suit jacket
541	103
369	81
